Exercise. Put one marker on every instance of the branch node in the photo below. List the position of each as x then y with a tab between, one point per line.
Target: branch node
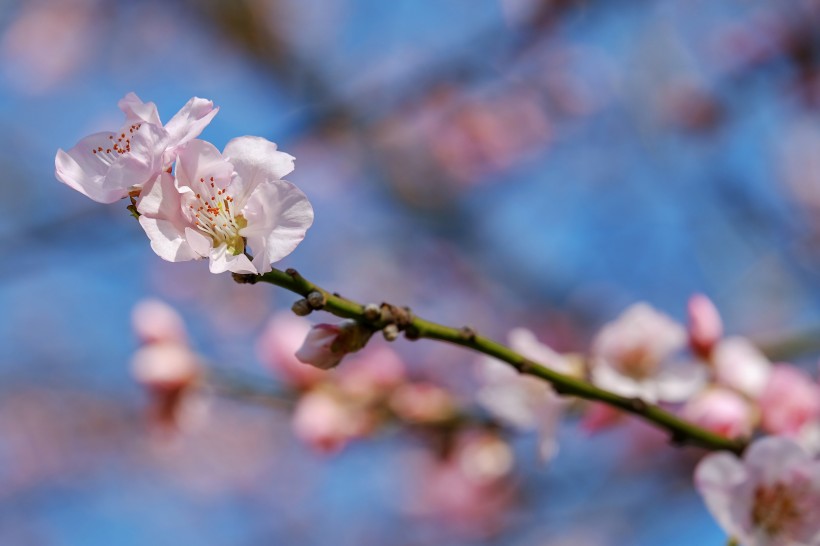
411	333
245	278
372	313
638	405
301	307
390	332
316	299
467	333
293	273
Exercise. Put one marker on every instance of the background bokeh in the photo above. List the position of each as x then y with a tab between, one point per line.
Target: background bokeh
491	162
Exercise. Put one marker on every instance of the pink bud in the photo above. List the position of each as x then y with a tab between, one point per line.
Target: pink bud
721	411
157	322
277	347
326	344
790	401
705	325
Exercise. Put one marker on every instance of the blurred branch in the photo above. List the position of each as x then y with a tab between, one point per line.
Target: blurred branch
389	317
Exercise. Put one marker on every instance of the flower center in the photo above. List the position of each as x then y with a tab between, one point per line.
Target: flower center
638	362
117	145
775	508
213	215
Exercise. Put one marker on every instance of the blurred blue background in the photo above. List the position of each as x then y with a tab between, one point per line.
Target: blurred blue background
497	162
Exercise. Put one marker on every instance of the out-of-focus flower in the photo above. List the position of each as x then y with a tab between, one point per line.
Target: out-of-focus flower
790	401
372	373
723	412
326	344
218	204
157	322
632	356
522	401
326	421
165	365
167	371
277	347
107	166
770	498
705	325
741	366
469	490
422	403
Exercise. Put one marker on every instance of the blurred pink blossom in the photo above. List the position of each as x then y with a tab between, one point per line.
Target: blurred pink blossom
790	401
326	421
470	489
522	401
741	366
277	346
166	371
422	403
632	356
705	325
372	373
770	498
157	322
723	412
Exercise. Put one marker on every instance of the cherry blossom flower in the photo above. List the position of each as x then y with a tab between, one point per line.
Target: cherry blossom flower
522	401
107	166
770	498
326	344
705	325
632	356
723	412
470	490
277	346
790	401
219	205
423	403
741	366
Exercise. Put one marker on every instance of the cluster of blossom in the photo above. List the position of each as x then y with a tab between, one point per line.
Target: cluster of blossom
193	201
725	385
465	485
234	208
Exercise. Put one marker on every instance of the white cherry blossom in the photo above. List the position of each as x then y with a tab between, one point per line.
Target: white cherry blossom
107	166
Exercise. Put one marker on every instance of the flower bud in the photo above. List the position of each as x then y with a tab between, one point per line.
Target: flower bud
326	344
167	371
705	325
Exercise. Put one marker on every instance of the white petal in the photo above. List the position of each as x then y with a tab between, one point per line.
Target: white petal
606	377
741	366
771	456
256	160
721	479
162	220
201	244
222	260
278	216
680	381
189	122
137	111
201	160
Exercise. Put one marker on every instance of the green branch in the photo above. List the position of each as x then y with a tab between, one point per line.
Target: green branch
393	319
